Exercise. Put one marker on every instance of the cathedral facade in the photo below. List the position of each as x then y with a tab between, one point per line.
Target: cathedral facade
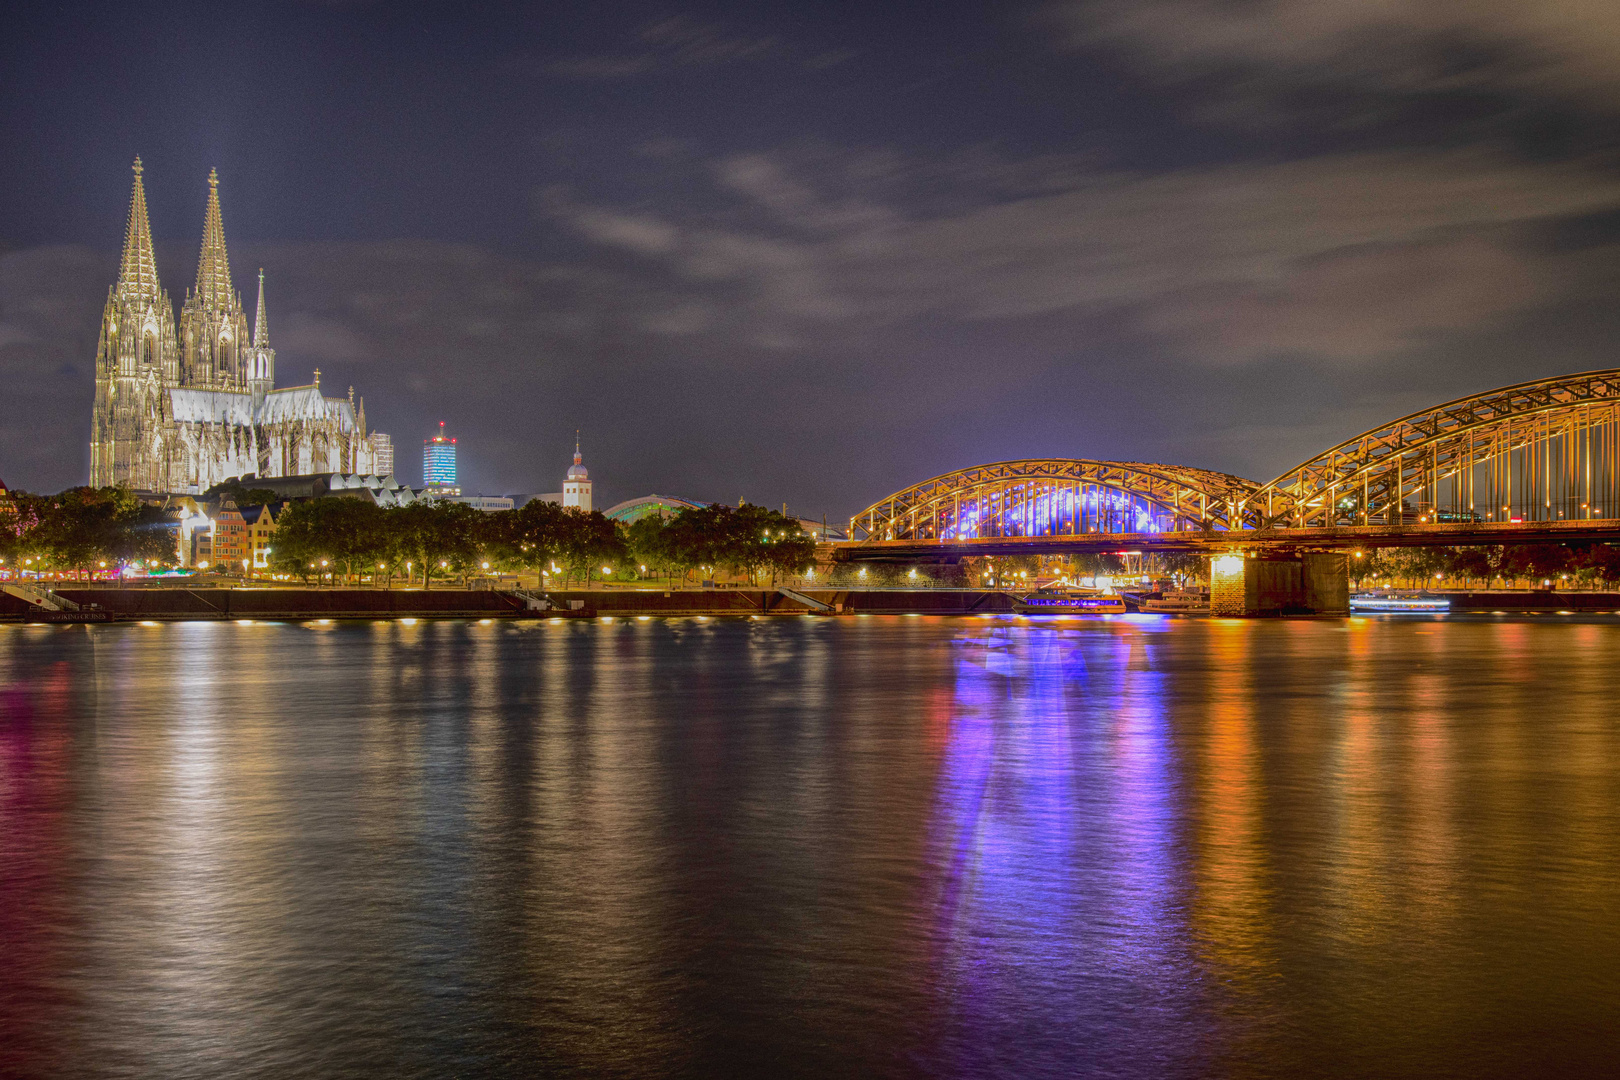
181	406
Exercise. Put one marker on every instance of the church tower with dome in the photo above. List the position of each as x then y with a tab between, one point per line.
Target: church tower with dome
577	484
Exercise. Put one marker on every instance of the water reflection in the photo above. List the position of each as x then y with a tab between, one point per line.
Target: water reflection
1060	845
1139	847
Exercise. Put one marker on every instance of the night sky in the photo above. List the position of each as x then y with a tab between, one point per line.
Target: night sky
811	253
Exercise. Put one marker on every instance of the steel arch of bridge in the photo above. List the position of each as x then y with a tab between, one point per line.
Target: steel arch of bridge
1547	450
1059	497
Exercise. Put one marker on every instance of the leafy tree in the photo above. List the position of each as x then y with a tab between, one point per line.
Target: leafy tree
1473	564
1187	565
1366	566
589	540
437	536
529	538
351	534
745	539
1103	562
758	539
1601	563
86	528
697	536
1538	562
302	540
651	543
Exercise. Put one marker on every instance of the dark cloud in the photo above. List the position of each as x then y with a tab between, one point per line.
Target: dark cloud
679	41
1333	260
1360	64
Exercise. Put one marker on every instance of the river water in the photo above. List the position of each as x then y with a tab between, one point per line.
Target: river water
1127	846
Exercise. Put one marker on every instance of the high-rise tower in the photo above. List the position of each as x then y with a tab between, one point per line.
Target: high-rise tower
439	464
213	326
136	357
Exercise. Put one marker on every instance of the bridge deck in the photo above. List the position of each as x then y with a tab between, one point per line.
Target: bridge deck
1336	538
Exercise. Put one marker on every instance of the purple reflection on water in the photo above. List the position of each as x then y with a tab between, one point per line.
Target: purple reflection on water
1058	834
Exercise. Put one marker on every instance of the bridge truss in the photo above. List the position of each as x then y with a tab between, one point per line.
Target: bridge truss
1541	451
1060	497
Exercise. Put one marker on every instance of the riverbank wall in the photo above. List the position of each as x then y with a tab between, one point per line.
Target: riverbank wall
172	603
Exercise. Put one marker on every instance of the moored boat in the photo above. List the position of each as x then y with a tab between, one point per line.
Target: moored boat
1070	604
1179	603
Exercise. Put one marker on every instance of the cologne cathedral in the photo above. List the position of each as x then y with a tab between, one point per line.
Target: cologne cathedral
182	406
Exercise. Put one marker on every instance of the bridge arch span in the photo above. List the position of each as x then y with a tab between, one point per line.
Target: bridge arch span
1546	450
1058	497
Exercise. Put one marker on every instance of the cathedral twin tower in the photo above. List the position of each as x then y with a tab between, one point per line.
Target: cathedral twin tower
181	408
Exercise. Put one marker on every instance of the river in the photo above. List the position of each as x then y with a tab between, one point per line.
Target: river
869	846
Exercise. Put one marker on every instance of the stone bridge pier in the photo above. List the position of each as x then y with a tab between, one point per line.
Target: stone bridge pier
1300	583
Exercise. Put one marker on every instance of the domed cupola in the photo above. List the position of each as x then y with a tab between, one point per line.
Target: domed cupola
576	471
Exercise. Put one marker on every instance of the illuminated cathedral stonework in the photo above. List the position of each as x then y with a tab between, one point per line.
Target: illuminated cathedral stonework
180	408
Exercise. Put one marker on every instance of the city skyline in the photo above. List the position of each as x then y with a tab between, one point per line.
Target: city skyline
888	244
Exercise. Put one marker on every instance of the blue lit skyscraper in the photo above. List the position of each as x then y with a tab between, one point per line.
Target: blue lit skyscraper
439	464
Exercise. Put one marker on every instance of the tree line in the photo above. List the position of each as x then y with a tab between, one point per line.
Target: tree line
86	530
1580	565
83	530
352	538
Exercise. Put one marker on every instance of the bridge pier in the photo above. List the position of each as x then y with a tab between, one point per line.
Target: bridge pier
1308	583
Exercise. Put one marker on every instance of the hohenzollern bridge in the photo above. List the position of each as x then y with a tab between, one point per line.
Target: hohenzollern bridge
1535	462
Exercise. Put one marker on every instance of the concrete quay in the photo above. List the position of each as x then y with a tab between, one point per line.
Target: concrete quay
104	604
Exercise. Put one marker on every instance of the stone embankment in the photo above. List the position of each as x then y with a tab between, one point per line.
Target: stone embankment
174	603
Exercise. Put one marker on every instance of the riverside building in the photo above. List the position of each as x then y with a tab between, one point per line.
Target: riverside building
183	405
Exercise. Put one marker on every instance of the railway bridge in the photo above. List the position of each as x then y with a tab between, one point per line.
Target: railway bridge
1534	462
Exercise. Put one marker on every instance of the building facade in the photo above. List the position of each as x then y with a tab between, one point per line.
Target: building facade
487	503
229	547
439	464
261	531
181	406
382	454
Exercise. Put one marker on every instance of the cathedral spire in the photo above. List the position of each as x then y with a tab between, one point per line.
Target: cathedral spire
137	274
213	268
261	322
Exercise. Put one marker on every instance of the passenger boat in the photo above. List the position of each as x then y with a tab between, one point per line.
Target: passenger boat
1059	603
1179	603
1419	603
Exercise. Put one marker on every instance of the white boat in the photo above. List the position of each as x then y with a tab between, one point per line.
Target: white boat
1417	604
1184	603
1070	604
